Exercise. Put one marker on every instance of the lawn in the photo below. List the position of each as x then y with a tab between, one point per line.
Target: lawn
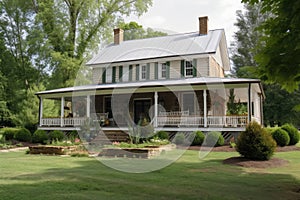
53	177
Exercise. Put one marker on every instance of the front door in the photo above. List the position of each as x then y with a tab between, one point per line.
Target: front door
141	110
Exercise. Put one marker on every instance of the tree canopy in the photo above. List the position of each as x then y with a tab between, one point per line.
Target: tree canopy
279	51
43	43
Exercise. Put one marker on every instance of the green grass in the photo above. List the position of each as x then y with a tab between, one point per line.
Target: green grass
53	177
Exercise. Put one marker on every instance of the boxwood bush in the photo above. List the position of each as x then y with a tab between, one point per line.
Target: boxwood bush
163	135
255	143
9	133
179	138
214	138
293	133
281	137
198	138
40	136
56	135
23	135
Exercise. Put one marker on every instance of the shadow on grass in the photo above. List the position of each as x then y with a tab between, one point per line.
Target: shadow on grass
208	179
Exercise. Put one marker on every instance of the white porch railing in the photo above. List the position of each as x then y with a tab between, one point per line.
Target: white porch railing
56	122
221	121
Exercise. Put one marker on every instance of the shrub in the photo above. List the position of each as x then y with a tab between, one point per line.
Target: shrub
56	135
281	137
293	133
255	143
163	135
9	133
214	138
198	137
179	138
23	135
40	136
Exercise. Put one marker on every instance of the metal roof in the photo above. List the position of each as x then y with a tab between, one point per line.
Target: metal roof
158	47
155	83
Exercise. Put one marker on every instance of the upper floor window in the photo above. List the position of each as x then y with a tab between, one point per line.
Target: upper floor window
163	70
188	68
143	72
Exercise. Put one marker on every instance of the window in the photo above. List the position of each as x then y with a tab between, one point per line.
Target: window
125	75
163	70
188	68
144	72
109	75
188	102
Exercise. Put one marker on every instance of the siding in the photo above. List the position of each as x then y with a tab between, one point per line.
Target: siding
215	69
203	67
175	69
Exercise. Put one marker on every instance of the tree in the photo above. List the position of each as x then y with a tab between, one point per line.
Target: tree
74	28
279	104
133	30
278	56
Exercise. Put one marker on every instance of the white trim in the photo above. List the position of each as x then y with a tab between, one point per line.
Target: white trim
41	109
205	108
62	111
88	106
155	108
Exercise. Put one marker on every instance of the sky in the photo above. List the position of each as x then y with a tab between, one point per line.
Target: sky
181	16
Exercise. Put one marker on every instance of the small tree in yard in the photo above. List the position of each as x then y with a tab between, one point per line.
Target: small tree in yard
256	143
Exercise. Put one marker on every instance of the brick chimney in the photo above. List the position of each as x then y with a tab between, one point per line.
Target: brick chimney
118	36
203	25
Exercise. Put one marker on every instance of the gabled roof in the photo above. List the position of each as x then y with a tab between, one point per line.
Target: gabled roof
161	47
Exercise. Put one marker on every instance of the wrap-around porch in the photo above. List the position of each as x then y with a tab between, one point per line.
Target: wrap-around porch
231	106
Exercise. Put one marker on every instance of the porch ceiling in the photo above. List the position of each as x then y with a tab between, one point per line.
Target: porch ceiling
150	86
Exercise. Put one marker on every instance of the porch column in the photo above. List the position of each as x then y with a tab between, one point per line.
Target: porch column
155	108
62	111
88	106
41	111
249	103
205	107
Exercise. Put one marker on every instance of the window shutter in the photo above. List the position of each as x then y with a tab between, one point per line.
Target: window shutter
194	67
156	71
120	73
130	73
182	69
148	71
103	75
168	70
137	75
113	78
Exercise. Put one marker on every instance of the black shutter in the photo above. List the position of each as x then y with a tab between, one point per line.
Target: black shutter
130	73
182	69
103	75
137	74
168	70
113	78
120	73
194	67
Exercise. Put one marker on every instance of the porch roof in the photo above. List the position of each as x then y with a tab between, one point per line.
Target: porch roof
208	81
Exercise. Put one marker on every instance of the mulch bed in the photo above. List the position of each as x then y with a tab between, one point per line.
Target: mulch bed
244	162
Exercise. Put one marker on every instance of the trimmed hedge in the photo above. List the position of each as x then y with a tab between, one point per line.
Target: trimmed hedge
23	135
198	138
214	138
179	138
40	136
256	143
9	133
56	135
293	133
163	135
281	137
